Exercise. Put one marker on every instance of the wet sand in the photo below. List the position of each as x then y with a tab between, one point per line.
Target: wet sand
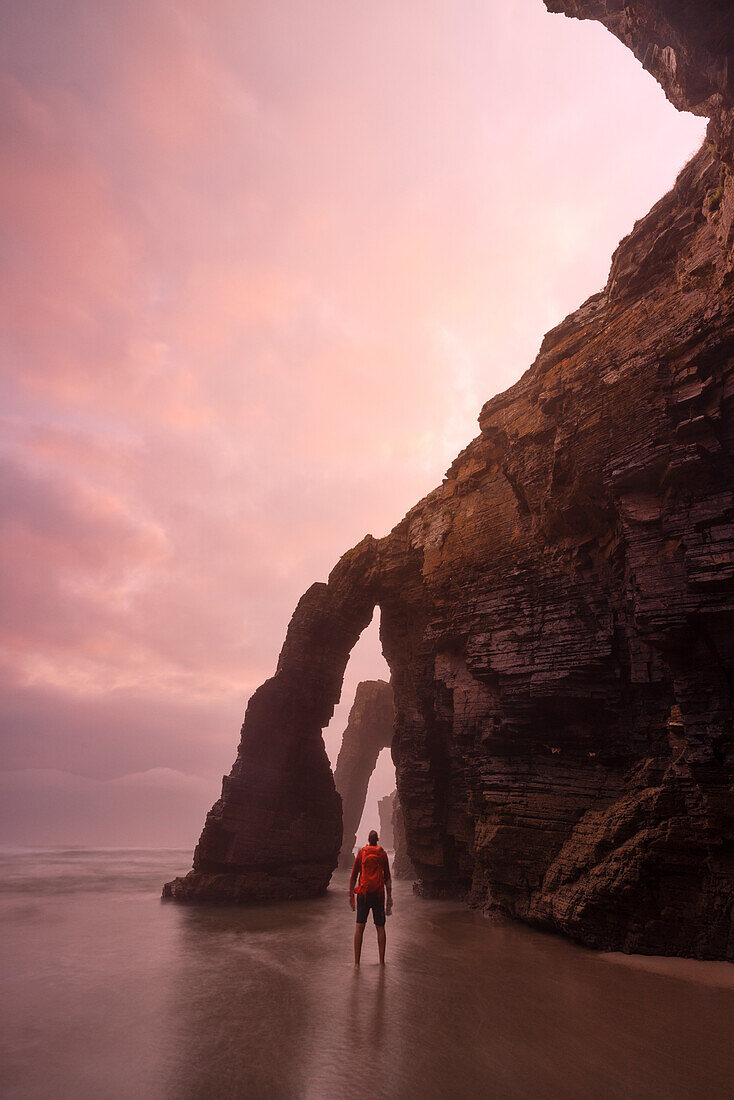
109	993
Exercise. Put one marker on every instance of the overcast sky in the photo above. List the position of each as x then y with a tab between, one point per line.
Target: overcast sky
264	261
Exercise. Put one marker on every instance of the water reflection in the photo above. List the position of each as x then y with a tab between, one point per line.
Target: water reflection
269	1005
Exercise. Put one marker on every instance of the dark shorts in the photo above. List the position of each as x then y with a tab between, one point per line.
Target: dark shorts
375	902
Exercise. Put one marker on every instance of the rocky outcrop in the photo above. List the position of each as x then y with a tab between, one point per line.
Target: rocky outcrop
385	808
558	615
401	865
688	47
393	835
369	731
277	830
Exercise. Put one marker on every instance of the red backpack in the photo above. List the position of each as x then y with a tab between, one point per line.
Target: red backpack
372	876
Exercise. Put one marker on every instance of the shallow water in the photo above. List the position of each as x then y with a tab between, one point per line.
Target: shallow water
109	993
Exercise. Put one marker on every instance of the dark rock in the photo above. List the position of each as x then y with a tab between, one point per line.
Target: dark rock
276	830
401	865
385	807
558	615
687	46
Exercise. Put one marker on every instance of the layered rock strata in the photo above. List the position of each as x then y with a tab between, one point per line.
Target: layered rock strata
393	835
558	615
369	731
401	866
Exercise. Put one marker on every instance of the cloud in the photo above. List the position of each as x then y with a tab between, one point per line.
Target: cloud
48	807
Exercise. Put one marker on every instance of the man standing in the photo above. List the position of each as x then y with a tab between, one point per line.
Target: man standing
372	868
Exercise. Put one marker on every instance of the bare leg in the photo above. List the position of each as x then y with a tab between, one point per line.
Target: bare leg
358	934
381	941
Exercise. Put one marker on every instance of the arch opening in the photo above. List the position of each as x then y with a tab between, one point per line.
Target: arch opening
377	813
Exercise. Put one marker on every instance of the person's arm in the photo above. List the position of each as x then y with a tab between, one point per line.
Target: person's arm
353	877
388	884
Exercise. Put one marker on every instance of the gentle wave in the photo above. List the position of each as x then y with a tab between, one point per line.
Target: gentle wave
48	871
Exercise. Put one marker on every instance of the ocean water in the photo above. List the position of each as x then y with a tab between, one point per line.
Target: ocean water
109	993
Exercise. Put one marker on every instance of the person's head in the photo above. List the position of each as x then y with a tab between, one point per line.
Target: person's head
372	838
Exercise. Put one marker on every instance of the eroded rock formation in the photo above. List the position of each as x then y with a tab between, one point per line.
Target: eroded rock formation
369	731
393	835
385	809
277	830
401	866
558	615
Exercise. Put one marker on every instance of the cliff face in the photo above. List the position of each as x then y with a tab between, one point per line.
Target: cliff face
558	615
688	46
401	866
392	835
369	730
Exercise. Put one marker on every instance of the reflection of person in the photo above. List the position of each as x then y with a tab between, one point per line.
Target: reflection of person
372	868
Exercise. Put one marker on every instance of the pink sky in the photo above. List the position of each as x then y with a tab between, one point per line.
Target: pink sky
264	262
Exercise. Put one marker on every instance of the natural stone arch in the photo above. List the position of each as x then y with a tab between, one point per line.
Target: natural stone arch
276	830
